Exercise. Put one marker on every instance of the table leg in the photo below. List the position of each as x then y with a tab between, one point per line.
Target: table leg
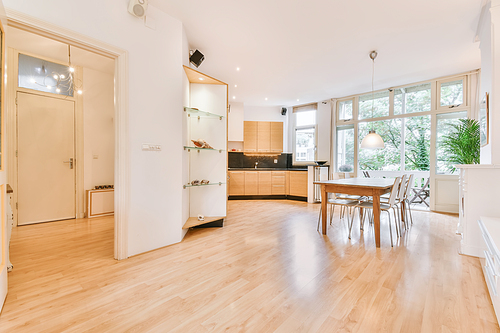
376	216
324	199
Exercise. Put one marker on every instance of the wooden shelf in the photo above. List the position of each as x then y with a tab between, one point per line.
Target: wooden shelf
198	148
193	221
201	185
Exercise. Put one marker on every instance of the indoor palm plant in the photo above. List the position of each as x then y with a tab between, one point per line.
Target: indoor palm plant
462	144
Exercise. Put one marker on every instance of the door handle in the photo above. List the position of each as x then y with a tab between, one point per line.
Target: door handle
70	162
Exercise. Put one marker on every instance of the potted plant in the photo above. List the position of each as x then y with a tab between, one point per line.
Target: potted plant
346	169
462	145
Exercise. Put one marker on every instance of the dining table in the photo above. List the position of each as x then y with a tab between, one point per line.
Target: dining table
373	187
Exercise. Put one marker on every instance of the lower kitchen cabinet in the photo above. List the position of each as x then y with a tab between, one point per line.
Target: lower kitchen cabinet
267	183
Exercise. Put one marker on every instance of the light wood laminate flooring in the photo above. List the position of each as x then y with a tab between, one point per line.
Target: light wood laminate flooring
267	270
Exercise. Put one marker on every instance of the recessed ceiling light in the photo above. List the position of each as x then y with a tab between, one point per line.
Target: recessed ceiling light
235	85
266	98
201	79
234	97
297	99
237	68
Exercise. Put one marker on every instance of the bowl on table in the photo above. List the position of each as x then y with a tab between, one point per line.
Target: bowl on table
320	162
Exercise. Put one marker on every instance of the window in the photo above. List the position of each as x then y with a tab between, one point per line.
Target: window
380	102
443	127
412	99
387	159
417	142
451	93
305	133
344	110
345	146
46	76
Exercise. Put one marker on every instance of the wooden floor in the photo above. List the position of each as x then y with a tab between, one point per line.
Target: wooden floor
267	270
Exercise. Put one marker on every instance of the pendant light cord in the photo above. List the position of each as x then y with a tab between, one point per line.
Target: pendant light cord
373	93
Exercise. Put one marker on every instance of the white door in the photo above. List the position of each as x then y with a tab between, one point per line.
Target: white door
46	164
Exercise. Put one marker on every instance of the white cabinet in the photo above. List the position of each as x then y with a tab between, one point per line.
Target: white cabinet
235	122
490	230
206	120
478	195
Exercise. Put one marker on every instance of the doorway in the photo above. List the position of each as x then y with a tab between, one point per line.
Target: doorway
46	152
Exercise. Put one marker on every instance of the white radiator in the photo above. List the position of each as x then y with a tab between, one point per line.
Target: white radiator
100	202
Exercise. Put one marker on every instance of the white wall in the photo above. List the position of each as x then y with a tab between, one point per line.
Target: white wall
323	118
235	122
486	71
154	111
98	128
495	79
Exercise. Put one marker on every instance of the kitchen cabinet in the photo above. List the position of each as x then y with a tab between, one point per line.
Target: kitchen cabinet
251	183
236	183
263	137
278	182
276	137
298	183
265	178
250	136
268	183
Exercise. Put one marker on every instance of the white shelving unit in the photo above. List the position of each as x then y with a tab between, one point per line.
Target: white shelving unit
206	119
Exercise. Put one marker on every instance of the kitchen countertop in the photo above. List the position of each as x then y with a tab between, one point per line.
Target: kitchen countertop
267	169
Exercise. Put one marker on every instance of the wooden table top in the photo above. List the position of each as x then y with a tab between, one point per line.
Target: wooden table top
360	182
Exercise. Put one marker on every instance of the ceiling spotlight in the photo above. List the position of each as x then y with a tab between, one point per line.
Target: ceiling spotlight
237	68
234	97
201	79
266	98
235	85
297	99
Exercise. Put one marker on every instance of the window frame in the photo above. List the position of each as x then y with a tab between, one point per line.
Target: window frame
465	93
294	137
337	110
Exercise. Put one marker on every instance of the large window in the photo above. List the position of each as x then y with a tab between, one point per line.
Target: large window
417	143
387	159
404	117
443	127
412	99
374	105
345	146
305	133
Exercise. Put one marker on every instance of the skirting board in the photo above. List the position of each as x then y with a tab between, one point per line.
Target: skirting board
100	202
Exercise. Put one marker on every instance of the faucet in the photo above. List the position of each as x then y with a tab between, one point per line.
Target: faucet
256	163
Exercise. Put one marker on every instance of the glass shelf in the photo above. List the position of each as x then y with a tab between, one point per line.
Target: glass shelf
198	149
209	184
198	113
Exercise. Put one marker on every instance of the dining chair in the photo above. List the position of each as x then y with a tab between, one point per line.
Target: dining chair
345	205
421	193
383	207
406	199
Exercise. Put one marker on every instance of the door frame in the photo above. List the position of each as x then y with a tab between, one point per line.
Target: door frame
122	180
77	144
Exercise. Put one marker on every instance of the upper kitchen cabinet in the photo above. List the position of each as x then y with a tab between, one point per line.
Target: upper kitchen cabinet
263	137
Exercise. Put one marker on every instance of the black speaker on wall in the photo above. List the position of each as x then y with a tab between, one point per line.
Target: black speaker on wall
283	111
196	58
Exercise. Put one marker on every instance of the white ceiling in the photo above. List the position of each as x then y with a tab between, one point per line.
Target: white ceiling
36	45
318	49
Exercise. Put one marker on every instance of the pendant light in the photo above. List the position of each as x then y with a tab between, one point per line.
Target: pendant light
372	140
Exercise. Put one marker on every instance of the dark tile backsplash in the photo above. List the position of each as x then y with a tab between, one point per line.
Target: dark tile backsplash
239	160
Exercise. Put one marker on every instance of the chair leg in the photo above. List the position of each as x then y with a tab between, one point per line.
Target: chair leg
390	228
352	222
409	211
319	218
396	222
331	213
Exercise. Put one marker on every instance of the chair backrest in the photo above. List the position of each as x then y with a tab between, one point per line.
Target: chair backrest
394	191
402	187
366	174
409	185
